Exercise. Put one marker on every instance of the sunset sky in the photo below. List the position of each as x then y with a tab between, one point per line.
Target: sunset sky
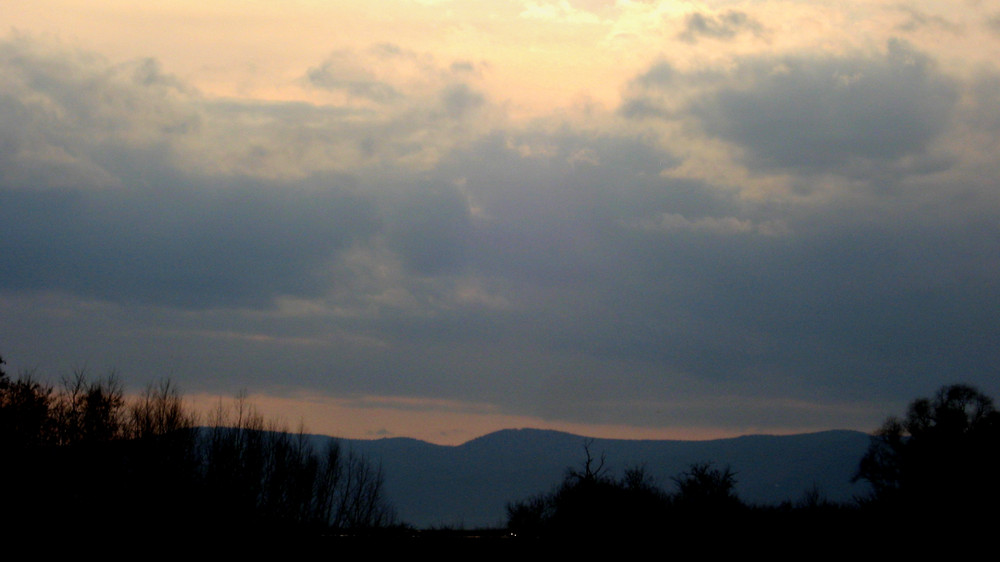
436	218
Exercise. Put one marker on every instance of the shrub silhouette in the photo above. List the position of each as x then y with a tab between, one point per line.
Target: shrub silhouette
705	489
591	503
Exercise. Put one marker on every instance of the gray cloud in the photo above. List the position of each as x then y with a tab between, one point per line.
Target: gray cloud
341	72
725	25
63	115
387	73
184	245
607	263
920	20
544	268
459	100
993	23
463	67
95	198
839	115
430	229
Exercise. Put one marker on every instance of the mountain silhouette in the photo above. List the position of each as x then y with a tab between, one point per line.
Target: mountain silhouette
469	485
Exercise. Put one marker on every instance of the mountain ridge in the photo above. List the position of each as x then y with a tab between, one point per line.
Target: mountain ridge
469	485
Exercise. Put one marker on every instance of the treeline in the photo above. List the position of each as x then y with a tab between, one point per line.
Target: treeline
934	471
699	504
84	457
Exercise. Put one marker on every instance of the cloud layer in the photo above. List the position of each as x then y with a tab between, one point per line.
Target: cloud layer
768	233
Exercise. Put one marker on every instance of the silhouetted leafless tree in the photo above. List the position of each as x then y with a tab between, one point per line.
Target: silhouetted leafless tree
86	456
159	411
90	411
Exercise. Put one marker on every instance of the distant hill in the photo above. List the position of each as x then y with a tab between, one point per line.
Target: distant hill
469	485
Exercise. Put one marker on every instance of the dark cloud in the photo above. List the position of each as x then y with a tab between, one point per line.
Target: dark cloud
354	81
725	25
546	222
183	245
918	19
96	200
459	100
986	101
606	263
641	105
643	108
465	68
462	66
387	73
545	268
993	23
857	116
660	75
430	229
373	74
824	114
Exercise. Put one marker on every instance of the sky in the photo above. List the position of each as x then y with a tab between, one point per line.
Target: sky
440	218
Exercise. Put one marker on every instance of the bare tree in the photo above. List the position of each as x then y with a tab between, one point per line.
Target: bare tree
90	411
158	411
143	460
361	502
267	475
593	469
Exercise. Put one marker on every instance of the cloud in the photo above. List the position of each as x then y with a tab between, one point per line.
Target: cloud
98	196
387	74
459	100
60	110
182	245
822	115
814	114
586	265
344	71
430	229
666	222
723	26
918	19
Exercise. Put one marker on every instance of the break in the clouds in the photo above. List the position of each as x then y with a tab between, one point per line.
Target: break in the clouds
767	228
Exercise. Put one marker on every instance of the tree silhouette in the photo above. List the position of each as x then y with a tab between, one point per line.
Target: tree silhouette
85	458
260	476
943	457
25	412
90	411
